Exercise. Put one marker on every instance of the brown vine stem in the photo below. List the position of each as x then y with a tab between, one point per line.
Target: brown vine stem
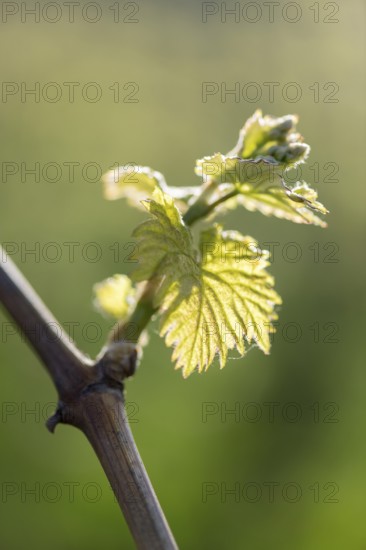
91	399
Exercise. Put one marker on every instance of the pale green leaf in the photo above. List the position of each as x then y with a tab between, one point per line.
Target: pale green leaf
209	303
240	172
115	296
274	202
271	137
165	246
137	183
260	186
132	182
267	148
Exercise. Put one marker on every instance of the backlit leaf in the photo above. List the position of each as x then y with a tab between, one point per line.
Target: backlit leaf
259	186
137	183
211	301
115	296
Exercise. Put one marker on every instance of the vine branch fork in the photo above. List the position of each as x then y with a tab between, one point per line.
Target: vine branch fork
91	398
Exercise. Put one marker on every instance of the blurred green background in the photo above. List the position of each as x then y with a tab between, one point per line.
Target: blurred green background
312	452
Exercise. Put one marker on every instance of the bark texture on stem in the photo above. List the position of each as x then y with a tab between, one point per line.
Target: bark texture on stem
91	399
103	420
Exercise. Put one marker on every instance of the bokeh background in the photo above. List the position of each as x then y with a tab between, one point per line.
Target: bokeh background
312	451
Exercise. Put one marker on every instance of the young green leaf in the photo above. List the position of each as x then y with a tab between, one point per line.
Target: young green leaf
164	243
131	182
254	170
272	137
115	296
136	183
258	185
297	205
208	303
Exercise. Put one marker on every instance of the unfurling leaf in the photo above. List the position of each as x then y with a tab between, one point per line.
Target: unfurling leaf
209	302
115	296
254	170
131	182
137	183
271	137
